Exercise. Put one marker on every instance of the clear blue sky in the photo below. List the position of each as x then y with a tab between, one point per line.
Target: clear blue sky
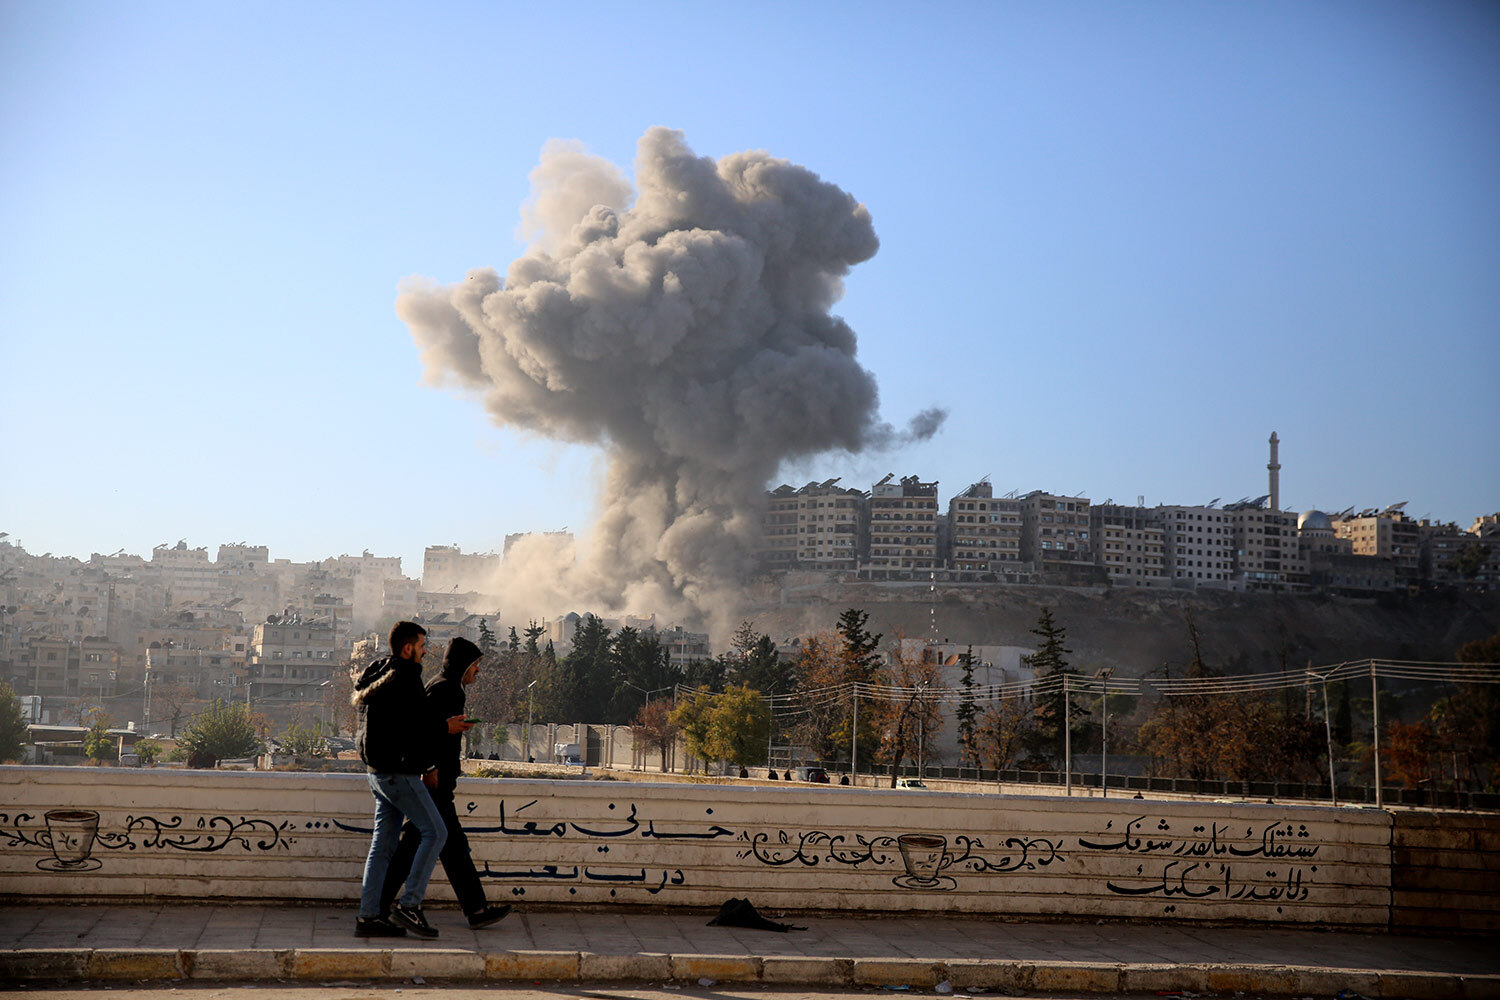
1122	243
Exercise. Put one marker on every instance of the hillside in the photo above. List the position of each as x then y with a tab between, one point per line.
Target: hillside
1137	631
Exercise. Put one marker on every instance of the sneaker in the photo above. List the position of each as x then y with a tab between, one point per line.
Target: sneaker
488	915
412	919
377	927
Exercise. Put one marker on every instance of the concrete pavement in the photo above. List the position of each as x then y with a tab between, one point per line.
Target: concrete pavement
46	943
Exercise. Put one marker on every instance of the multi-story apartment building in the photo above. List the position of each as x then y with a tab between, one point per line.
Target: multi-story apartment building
1267	553
903	529
818	527
984	534
1055	536
210	673
289	658
447	569
1387	533
777	551
1129	544
1199	547
187	573
683	646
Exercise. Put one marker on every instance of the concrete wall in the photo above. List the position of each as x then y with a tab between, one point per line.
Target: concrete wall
112	833
1445	872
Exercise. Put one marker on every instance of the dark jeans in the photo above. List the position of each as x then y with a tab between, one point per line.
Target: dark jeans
457	864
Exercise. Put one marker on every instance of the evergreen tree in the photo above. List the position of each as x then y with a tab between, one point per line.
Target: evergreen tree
764	669
1054	709
515	640
487	641
967	711
859	664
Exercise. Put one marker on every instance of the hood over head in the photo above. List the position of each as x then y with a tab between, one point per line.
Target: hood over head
461	653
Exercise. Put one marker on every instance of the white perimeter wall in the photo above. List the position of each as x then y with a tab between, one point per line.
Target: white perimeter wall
293	836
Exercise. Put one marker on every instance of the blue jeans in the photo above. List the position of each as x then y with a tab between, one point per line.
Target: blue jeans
398	796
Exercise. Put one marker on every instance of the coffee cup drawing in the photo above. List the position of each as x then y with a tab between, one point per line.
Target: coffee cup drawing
70	834
925	855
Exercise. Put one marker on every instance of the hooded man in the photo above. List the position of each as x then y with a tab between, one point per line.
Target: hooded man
398	741
445	698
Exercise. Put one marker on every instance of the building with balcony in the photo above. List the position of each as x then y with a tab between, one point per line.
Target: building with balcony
1129	544
820	527
1387	534
1055	535
448	569
290	658
984	534
1267	548
903	530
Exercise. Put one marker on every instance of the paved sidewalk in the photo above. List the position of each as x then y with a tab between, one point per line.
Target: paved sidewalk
250	943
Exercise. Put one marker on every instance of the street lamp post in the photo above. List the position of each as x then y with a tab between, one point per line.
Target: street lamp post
1333	787
1104	674
528	719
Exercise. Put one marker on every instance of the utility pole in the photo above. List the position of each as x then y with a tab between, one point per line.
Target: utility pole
1375	711
854	741
1067	737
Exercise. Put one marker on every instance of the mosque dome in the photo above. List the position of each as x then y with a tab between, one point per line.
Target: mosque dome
1315	520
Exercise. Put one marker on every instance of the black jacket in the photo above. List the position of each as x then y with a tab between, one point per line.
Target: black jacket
445	699
398	734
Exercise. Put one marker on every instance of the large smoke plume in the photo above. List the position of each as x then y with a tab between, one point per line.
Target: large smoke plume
689	335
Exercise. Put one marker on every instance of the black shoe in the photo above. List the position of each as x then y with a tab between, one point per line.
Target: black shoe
412	919
377	927
488	915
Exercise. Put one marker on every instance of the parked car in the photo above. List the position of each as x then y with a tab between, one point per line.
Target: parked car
912	783
814	774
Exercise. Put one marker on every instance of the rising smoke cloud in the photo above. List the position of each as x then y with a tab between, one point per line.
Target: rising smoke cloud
688	334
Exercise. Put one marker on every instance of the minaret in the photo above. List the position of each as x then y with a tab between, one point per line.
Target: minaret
1274	468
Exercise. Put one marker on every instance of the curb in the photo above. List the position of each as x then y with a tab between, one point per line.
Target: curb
37	965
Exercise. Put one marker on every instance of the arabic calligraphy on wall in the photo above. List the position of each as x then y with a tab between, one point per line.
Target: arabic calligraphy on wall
1272	862
71	835
653	880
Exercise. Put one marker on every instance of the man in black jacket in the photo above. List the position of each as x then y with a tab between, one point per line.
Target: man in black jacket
446	697
397	738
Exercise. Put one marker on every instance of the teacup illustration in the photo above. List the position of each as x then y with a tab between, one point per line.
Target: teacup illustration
925	855
70	834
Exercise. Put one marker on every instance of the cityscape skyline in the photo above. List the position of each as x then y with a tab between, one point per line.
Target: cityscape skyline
1112	240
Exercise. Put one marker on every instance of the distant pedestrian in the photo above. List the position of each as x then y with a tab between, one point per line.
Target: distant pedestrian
446	698
772	774
397	738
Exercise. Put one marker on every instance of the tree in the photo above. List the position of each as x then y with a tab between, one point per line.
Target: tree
172	701
223	731
653	726
914	724
967	711
1055	709
731	725
1005	730
13	729
487	641
741	725
147	750
97	742
1408	752
301	741
823	724
693	716
765	669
